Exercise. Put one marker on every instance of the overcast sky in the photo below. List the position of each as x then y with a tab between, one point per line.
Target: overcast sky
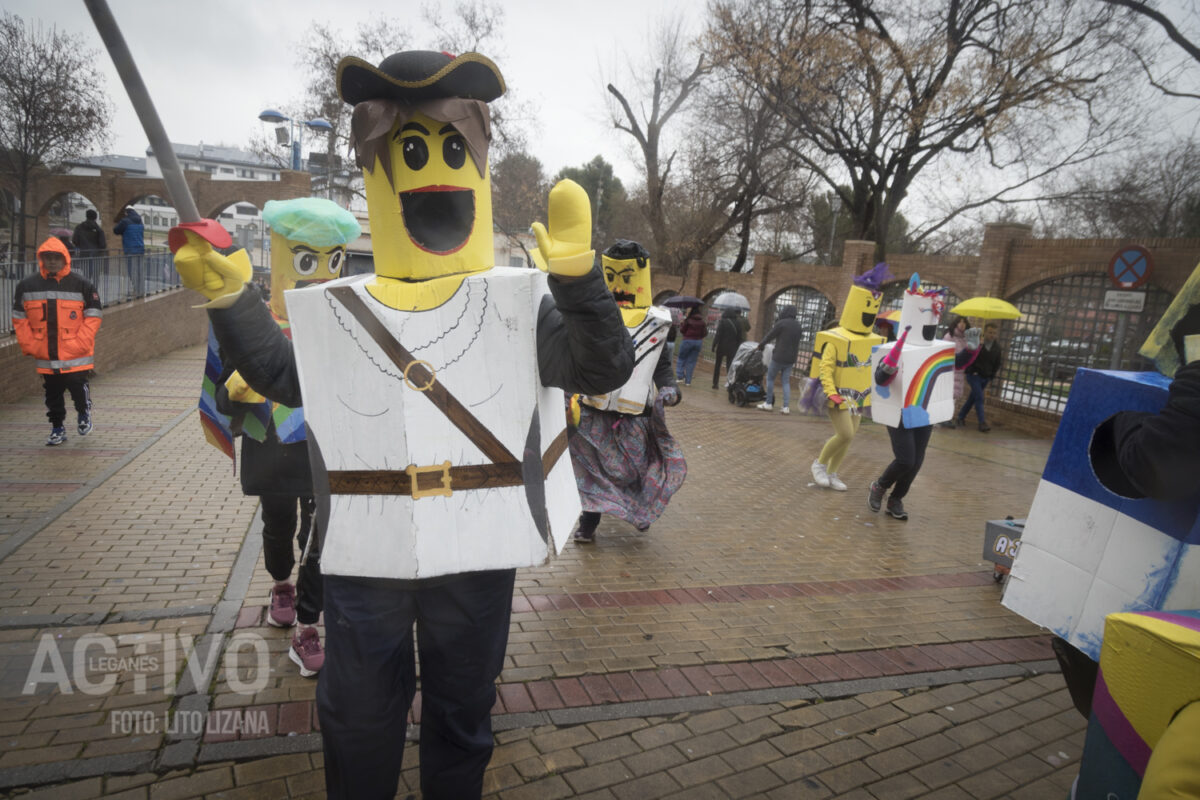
212	66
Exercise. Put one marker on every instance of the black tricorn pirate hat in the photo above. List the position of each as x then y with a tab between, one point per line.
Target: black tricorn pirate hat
416	75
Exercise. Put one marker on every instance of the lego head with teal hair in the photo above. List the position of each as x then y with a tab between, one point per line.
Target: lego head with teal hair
308	243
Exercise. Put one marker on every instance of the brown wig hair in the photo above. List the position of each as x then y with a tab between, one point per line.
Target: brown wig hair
373	121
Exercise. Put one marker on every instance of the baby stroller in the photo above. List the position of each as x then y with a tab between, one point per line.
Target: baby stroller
744	382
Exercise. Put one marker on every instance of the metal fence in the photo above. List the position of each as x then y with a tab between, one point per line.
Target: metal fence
118	278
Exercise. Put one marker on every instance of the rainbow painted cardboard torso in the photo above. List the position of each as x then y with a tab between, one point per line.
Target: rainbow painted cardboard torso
373	424
922	393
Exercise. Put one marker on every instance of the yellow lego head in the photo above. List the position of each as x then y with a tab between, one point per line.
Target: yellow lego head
420	132
863	300
627	271
308	244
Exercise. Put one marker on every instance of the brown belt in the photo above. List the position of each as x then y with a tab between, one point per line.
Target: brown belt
436	479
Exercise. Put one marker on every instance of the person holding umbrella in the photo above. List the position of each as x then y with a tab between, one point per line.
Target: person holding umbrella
985	364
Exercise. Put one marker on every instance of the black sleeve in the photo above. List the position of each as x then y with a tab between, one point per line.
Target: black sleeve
771	334
583	346
664	373
1138	454
252	343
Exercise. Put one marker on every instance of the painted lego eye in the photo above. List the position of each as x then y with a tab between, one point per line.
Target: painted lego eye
416	152
304	263
335	261
454	151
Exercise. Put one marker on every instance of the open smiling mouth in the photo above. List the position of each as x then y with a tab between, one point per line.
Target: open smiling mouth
929	331
868	318
439	219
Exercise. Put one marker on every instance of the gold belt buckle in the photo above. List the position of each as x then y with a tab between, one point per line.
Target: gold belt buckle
417	492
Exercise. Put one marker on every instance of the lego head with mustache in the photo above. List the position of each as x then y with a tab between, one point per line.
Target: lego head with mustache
627	272
308	244
420	132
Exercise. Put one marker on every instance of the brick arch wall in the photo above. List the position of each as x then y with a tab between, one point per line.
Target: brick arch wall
112	190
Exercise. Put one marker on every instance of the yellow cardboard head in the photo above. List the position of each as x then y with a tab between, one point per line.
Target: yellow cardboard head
627	272
308	243
420	132
863	300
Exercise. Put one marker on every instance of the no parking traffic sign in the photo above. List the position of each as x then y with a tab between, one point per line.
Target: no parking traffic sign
1130	267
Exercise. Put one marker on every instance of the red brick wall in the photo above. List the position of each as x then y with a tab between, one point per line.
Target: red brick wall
131	332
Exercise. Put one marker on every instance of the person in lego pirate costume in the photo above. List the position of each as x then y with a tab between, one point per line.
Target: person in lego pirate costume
840	375
308	246
435	437
626	462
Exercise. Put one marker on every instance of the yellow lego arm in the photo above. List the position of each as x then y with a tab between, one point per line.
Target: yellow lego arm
827	371
240	391
217	277
566	248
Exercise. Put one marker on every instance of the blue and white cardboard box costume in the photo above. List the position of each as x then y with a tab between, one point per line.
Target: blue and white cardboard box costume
1086	552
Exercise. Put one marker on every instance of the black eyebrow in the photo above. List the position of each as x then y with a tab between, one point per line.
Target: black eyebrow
447	129
415	126
305	248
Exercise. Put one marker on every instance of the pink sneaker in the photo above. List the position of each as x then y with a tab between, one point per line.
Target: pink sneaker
282	613
306	651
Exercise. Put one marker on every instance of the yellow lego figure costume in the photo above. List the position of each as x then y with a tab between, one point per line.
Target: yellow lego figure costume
432	393
841	372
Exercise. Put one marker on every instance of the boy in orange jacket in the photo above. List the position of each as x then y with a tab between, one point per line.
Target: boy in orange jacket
56	314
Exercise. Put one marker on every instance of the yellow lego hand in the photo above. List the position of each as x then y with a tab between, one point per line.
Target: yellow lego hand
209	272
240	391
567	246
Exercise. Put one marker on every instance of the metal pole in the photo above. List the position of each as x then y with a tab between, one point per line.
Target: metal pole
1114	360
835	205
177	186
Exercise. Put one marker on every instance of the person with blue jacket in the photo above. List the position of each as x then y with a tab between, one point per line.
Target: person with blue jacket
131	230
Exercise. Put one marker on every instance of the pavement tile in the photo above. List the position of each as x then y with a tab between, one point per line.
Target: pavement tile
625	620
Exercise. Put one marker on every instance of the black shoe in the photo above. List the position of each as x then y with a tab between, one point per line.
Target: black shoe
950	424
85	424
875	496
984	428
585	537
895	509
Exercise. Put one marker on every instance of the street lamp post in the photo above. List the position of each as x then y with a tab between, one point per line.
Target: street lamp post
295	130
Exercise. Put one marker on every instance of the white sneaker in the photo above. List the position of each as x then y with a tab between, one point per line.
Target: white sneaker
786	410
819	475
765	406
835	482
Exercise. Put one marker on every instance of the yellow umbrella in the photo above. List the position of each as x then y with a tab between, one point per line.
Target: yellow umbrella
986	308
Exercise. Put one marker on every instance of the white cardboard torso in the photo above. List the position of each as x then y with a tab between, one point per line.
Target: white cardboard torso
362	415
649	338
922	393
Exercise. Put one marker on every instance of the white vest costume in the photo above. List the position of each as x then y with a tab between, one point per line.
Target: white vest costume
373	427
649	339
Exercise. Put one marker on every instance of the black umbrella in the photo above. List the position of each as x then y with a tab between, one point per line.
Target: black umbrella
683	301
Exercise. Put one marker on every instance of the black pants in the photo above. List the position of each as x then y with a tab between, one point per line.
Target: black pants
589	521
279	530
728	359
369	679
55	385
908	447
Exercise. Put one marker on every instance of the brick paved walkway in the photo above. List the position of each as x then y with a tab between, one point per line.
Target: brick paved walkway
765	638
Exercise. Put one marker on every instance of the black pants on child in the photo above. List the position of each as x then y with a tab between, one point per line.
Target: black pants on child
279	531
908	447
55	385
588	521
